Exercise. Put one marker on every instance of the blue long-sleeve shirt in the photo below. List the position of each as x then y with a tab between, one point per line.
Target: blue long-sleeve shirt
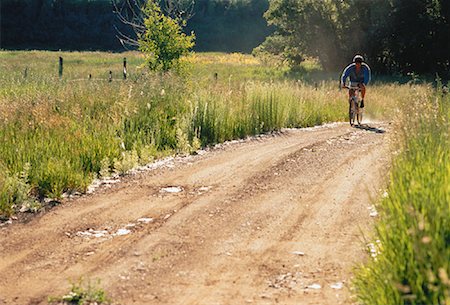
363	76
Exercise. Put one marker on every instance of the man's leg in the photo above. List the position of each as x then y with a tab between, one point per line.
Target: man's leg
363	90
363	93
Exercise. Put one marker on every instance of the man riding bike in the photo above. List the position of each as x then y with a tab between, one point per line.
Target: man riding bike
359	74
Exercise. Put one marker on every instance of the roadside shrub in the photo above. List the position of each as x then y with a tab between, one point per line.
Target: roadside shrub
14	191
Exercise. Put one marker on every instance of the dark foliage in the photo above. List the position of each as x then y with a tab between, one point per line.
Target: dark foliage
395	35
227	25
220	25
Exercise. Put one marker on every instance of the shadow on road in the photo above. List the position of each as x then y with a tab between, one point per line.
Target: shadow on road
369	128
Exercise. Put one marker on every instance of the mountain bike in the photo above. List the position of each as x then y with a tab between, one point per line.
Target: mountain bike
355	111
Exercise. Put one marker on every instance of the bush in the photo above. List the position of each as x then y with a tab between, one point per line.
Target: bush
163	41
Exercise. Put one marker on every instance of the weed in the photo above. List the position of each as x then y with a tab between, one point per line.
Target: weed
83	293
105	168
14	191
128	161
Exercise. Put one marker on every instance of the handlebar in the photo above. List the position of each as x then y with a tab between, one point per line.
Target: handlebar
350	88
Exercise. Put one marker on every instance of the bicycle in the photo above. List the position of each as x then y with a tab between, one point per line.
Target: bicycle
355	111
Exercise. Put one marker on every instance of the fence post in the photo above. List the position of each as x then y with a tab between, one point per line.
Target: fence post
110	76
60	67
124	68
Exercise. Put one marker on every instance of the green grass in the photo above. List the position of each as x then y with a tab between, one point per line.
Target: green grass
82	293
413	261
58	135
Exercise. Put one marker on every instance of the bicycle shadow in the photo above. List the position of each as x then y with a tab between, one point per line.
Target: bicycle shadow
370	128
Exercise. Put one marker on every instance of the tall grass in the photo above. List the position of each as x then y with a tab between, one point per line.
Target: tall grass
411	258
58	135
256	108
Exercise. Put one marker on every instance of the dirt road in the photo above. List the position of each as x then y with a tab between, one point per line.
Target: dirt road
263	221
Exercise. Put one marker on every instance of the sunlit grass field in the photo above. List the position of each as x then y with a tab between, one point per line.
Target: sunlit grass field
58	135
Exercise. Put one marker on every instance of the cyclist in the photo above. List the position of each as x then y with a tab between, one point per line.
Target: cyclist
359	74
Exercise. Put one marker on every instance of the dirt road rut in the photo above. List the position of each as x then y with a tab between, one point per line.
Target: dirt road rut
276	219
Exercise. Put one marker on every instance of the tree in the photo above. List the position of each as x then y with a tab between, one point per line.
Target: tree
132	13
394	35
308	28
416	38
163	42
159	36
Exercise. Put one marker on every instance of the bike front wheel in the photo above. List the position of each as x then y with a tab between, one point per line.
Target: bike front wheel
359	116
352	112
351	117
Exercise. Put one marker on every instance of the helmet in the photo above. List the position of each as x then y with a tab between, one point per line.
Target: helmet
358	58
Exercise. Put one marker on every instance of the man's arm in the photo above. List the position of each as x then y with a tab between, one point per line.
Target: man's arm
345	75
367	74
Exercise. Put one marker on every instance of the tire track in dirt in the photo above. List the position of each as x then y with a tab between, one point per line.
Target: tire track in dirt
227	238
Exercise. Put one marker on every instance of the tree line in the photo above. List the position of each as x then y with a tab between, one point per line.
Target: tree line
395	36
405	36
219	25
